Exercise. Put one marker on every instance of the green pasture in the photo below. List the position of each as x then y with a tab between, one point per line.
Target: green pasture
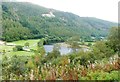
9	49
22	42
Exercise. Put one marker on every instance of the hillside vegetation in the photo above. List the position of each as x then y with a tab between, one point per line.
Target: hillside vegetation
27	21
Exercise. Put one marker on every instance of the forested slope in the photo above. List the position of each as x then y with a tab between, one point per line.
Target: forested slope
25	21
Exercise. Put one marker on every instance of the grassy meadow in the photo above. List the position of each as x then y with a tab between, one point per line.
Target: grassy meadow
8	49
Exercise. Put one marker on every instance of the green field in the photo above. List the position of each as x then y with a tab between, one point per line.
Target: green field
22	42
6	48
9	49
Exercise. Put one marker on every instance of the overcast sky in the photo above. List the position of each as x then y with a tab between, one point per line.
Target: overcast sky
103	9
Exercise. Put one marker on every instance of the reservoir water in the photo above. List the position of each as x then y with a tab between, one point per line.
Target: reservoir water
63	49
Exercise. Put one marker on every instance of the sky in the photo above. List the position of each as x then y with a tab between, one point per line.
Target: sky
102	9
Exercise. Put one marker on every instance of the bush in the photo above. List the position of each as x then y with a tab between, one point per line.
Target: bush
14	49
101	50
53	55
89	44
18	48
27	44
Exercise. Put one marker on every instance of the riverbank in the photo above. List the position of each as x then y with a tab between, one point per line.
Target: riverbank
63	44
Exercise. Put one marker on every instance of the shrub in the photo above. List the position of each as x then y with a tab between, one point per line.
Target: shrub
14	49
19	48
89	44
27	44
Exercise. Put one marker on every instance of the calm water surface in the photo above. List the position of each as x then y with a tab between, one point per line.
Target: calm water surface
63	49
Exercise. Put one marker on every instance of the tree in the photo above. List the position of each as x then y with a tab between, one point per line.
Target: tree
102	50
27	44
114	38
89	44
55	53
74	42
14	49
19	48
4	51
40	48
